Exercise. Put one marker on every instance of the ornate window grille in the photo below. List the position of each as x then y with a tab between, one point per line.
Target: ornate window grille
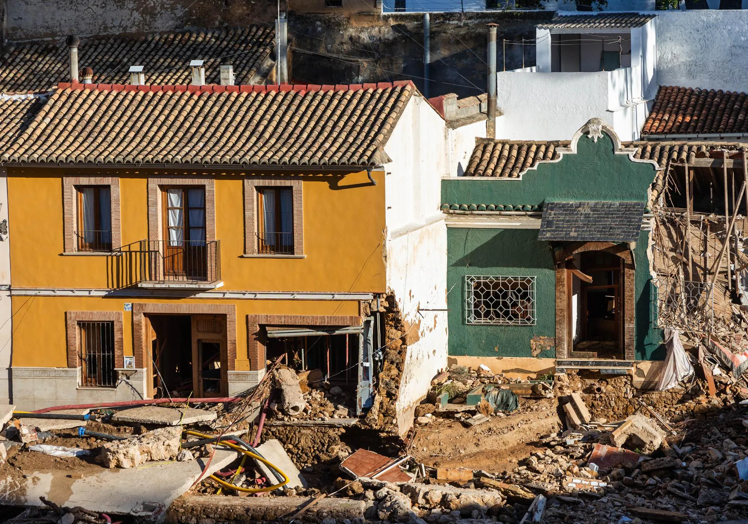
506	301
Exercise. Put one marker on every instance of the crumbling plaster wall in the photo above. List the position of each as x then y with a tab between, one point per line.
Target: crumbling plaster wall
417	241
40	19
703	48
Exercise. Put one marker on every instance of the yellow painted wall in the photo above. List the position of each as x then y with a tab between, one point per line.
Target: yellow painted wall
344	221
39	322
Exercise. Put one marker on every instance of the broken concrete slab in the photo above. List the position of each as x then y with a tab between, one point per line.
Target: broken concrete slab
273	452
50	424
159	444
6	413
145	491
638	432
160	416
238	510
576	411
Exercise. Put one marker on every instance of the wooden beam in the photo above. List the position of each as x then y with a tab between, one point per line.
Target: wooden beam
581	276
714	162
718	262
689	210
727	221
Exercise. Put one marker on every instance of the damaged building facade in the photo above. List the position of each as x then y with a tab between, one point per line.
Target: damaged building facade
574	289
170	269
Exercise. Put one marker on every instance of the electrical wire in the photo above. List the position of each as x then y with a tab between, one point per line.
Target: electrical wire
246	453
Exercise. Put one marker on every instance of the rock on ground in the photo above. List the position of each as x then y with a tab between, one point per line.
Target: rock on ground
160	444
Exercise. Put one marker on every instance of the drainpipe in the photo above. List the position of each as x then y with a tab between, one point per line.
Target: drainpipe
426	52
72	42
491	122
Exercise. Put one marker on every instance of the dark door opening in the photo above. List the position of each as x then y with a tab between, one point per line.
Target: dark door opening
336	356
597	306
187	355
171	354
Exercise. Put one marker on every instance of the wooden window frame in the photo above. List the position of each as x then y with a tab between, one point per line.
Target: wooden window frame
71	211
186	226
252	188
97	217
155	204
72	319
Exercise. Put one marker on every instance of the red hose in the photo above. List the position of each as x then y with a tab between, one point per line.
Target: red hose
260	425
140	403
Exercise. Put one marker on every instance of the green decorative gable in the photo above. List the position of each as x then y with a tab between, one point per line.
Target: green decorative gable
594	167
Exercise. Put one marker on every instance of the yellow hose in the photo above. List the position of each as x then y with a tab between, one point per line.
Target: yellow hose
246	454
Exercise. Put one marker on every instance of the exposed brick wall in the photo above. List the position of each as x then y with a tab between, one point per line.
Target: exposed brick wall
70	208
257	342
250	212
73	334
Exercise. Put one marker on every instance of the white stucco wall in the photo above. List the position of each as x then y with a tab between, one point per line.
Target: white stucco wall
549	106
423	150
703	48
6	322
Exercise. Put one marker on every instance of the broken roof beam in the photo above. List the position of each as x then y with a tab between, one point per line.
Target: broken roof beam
714	162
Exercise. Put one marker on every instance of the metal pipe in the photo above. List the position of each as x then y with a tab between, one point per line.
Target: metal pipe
491	122
54	416
83	432
426	52
72	42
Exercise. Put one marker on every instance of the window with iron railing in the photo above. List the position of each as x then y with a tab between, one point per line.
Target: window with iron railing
275	221
500	300
96	354
94	223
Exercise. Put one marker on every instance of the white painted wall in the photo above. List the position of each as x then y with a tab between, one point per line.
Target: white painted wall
6	323
423	150
703	48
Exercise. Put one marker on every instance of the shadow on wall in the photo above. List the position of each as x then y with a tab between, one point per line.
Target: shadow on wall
505	249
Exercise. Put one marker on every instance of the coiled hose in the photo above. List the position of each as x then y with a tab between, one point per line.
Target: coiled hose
245	450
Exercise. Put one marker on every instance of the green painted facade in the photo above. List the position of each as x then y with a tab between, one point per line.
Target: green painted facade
595	173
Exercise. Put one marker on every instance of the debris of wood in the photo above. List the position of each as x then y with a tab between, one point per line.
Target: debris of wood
659	515
536	511
512	492
576	411
475	420
454	474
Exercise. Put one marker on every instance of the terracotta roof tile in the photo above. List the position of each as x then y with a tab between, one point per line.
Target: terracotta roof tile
505	159
680	152
687	111
165	57
16	114
212	125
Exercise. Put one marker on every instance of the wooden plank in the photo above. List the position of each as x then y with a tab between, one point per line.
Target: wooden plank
727	233
714	162
581	276
709	380
454	474
689	210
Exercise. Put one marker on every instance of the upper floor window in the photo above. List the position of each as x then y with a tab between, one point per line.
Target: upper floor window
94	224
275	220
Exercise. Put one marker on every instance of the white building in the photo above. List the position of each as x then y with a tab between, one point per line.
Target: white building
602	65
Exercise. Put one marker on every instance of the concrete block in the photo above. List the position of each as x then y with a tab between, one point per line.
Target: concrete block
146	491
160	416
638	432
238	510
6	413
273	452
160	444
576	411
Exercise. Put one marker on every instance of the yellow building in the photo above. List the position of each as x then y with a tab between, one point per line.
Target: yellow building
170	239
